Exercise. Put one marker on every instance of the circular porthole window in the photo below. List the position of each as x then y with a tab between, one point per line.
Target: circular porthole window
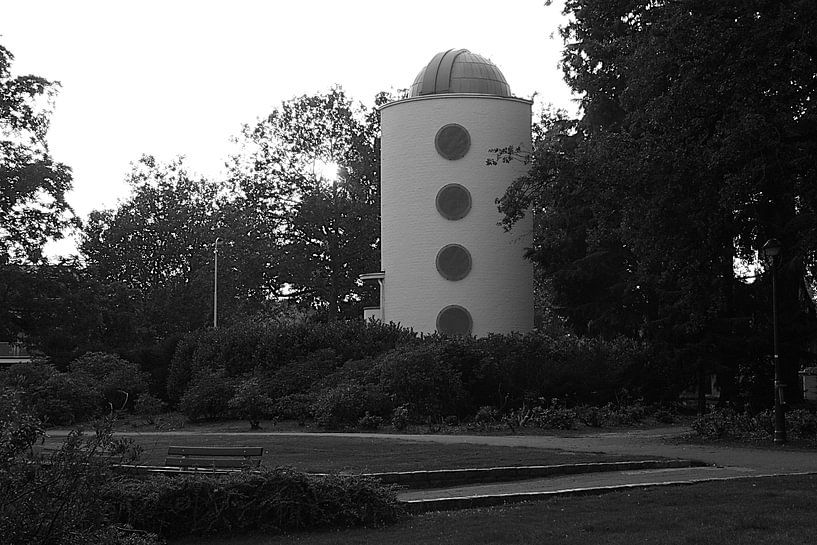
454	320
452	141
453	202
453	262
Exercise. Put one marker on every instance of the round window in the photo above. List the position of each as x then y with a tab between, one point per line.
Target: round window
453	202
452	141
454	320
453	262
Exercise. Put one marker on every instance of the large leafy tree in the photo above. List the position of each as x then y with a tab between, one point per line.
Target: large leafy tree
694	147
310	178
157	248
33	208
32	185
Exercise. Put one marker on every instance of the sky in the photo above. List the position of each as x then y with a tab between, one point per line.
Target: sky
180	77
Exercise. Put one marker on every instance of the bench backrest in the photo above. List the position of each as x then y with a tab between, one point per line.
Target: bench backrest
214	457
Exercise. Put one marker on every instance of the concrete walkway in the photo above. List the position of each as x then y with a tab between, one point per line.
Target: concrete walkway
720	463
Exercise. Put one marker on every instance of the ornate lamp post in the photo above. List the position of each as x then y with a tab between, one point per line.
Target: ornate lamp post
215	284
771	253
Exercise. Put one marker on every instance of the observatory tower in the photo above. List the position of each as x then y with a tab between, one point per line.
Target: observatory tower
447	265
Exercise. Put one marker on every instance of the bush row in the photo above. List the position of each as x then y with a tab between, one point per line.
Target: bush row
270	501
395	375
77	497
730	424
252	346
94	383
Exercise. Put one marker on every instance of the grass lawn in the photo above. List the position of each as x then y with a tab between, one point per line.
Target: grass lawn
353	454
757	511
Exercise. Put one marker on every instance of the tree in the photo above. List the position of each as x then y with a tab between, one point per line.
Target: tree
157	247
321	232
693	148
32	185
33	208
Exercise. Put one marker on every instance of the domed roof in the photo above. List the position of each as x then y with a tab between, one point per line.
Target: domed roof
460	71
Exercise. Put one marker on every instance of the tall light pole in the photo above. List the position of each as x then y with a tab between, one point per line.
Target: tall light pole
771	252
215	284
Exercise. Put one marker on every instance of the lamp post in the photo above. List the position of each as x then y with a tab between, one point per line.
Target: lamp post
771	252
215	284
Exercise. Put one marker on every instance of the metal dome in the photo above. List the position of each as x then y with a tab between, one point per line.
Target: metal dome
460	71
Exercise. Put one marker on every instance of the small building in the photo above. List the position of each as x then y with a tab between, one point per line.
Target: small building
13	352
446	263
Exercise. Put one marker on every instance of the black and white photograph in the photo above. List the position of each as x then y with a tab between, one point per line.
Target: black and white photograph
455	272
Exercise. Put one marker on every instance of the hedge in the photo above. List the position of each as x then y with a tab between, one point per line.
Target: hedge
270	501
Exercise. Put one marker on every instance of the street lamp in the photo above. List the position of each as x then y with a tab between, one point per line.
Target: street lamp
215	284
771	253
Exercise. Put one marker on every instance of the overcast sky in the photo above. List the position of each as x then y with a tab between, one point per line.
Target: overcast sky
179	77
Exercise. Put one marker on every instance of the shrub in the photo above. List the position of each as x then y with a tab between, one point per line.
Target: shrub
116	380
27	377
148	406
207	398
802	423
509	370
419	375
369	422
294	407
251	402
400	416
273	500
554	416
721	423
486	416
615	415
54	397
266	346
342	405
300	376
59	502
65	399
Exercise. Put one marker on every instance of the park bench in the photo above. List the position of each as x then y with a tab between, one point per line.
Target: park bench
214	457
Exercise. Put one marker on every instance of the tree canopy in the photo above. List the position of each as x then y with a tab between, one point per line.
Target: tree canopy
33	208
693	148
321	229
32	185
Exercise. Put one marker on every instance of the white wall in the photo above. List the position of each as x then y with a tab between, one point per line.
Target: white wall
499	290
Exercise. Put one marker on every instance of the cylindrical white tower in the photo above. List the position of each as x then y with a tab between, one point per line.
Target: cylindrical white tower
446	264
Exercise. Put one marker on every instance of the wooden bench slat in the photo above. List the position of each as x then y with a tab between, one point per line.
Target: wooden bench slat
193	461
215	451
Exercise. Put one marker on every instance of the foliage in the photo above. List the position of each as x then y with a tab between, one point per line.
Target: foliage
54	397
486	416
421	376
117	380
507	371
612	415
693	148
341	405
66	399
369	421
272	501
251	402
148	406
157	247
294	407
322	230
727	423
400	416
32	185
207	398
267	346
58	502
